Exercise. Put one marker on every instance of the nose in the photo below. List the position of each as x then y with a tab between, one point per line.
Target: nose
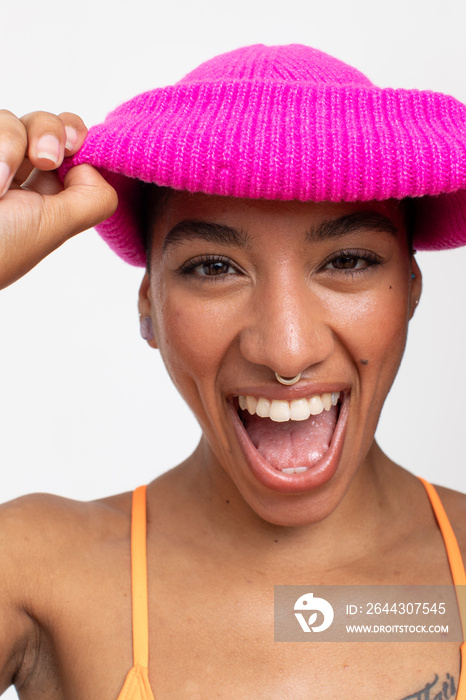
287	329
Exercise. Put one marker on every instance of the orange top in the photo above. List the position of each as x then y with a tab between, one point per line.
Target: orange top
137	686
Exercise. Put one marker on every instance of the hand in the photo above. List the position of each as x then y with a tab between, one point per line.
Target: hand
37	212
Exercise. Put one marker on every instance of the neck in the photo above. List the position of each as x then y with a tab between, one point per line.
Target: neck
362	518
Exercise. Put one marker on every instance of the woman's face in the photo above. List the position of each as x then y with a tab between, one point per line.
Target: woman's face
241	289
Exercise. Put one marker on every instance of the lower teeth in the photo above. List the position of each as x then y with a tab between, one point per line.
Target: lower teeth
294	470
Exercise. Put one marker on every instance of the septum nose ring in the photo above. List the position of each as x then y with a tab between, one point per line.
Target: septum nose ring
285	380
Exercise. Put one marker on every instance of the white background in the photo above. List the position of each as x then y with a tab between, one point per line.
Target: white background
86	409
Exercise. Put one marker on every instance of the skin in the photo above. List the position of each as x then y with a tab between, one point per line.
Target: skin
224	337
65	612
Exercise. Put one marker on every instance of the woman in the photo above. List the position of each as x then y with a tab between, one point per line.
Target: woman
279	285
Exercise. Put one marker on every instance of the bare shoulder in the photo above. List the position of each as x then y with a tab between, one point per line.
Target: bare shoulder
45	542
44	526
40	532
454	503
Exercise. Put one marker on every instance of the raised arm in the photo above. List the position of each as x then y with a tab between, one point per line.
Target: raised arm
37	212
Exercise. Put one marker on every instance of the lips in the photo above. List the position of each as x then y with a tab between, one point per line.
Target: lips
291	455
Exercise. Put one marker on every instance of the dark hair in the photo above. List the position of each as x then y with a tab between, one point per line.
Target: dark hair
410	219
153	199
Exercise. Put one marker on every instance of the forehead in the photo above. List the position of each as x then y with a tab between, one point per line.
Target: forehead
261	216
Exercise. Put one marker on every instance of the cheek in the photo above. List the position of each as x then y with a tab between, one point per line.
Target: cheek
373	329
193	337
381	322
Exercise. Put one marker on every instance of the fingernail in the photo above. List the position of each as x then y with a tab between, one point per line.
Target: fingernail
5	177
48	148
71	137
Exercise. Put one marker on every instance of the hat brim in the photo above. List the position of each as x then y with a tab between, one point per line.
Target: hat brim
276	140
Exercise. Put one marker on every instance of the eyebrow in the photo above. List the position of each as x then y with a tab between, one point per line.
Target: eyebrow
327	230
213	233
351	223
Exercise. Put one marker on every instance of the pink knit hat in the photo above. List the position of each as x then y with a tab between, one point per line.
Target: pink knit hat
285	122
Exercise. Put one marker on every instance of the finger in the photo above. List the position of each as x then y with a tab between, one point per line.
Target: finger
13	144
22	174
46	139
41	182
86	200
76	132
43	223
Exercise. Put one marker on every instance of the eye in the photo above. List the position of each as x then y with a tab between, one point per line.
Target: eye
213	268
208	266
358	261
346	262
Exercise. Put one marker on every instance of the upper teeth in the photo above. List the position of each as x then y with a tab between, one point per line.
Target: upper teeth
281	411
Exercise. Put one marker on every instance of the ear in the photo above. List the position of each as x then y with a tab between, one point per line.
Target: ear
416	287
145	307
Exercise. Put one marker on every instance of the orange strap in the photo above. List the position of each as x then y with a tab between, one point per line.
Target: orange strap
457	572
139	579
451	545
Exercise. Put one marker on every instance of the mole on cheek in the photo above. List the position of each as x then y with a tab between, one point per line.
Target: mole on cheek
364	362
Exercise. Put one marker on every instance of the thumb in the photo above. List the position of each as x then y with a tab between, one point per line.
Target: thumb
32	225
86	200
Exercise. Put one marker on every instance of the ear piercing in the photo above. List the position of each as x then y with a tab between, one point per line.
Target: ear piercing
285	380
145	327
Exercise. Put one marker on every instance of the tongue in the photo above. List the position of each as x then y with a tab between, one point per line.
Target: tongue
294	443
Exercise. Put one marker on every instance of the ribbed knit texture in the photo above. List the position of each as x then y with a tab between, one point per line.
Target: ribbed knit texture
285	122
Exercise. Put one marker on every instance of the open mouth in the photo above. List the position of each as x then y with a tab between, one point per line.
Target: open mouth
293	443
